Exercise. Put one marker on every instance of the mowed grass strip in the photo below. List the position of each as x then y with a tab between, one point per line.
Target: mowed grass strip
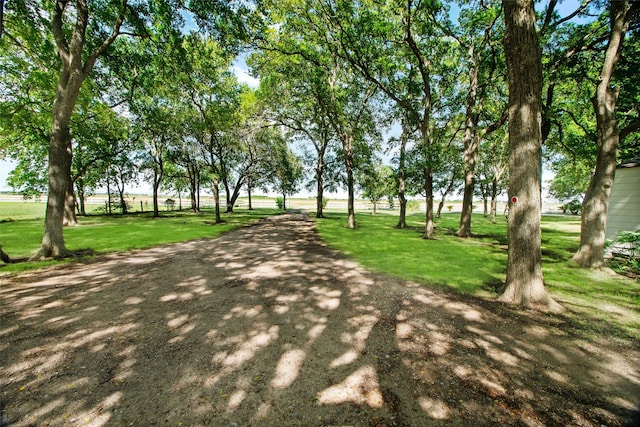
601	302
101	234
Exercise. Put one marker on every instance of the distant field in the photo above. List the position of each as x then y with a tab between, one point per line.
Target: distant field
21	210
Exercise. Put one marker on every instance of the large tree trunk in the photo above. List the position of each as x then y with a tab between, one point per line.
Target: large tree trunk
158	174
429	227
227	191
59	170
524	284
193	173
320	188
108	202
120	185
471	147
404	138
590	254
216	197
235	195
428	188
70	216
157	179
351	211
81	196
440	206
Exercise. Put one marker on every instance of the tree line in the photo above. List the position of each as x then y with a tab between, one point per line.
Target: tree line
475	94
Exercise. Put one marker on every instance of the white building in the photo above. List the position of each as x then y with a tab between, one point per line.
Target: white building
624	204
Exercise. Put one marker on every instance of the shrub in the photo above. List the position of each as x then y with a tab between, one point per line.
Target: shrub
625	253
280	202
413	205
573	206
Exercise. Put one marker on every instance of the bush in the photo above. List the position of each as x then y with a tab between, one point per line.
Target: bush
413	205
625	253
280	202
573	206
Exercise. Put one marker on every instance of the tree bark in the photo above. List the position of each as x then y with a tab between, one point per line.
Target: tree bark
428	188
70	216
216	197
108	207
249	197
53	244
404	138
351	211
320	187
524	284
590	254
471	148
235	194
81	196
157	179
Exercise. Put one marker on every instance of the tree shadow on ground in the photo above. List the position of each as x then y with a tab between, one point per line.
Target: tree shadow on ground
267	326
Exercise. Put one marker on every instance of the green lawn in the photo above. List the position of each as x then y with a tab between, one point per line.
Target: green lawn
601	302
103	234
12	211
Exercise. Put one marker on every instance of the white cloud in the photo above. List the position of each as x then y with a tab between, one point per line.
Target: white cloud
244	77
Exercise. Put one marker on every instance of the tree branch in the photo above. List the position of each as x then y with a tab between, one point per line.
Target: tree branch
495	125
108	41
629	129
58	34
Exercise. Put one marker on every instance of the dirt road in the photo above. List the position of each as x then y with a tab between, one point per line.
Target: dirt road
266	326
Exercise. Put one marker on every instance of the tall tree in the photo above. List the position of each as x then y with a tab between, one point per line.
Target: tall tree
376	182
386	43
78	55
298	93
594	207
479	36
80	32
524	283
284	166
395	46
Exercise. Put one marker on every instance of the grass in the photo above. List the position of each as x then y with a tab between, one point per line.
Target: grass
600	303
379	246
103	234
12	211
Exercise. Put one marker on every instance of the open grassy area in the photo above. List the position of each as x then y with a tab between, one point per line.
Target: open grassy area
12	211
103	234
601	302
